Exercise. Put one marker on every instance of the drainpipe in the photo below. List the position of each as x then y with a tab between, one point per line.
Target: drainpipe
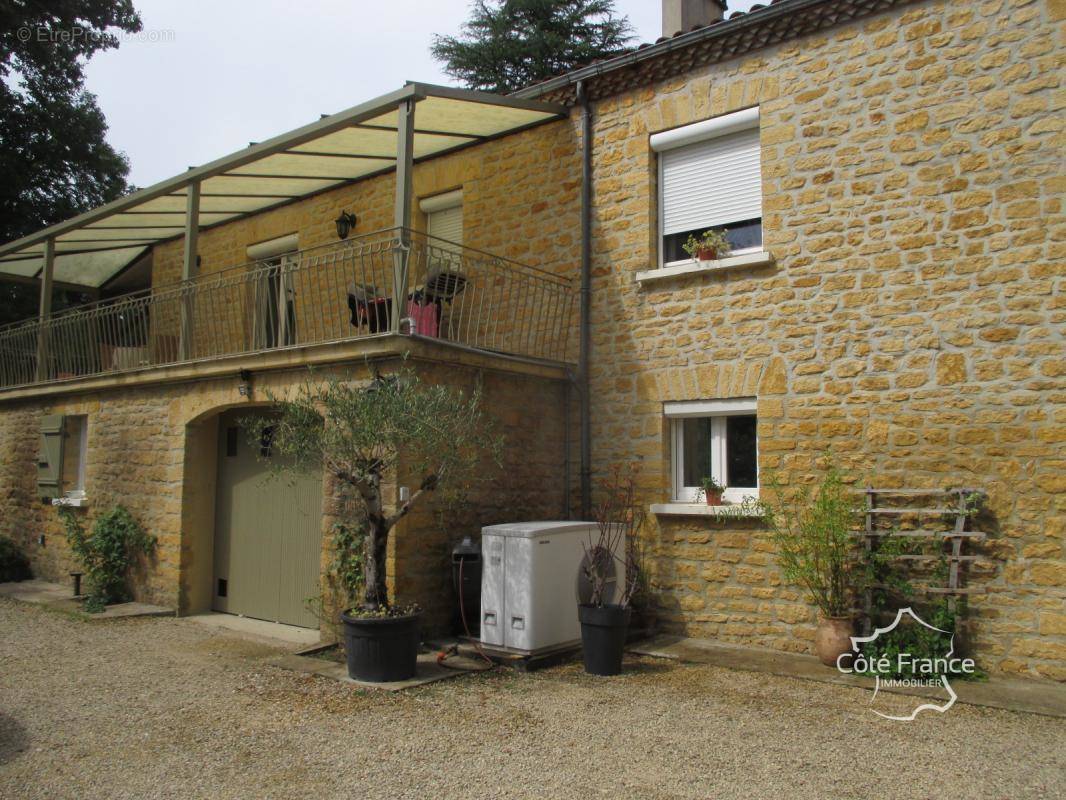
586	301
567	395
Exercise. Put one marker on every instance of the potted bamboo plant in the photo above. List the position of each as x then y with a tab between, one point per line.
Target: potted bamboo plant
812	529
710	246
611	553
358	433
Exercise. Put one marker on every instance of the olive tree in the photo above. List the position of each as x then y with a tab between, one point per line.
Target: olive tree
362	433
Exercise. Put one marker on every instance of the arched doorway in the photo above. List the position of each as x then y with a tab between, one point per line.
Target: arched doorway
268	532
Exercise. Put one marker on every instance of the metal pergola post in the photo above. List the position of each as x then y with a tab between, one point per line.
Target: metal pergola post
45	307
405	146
189	266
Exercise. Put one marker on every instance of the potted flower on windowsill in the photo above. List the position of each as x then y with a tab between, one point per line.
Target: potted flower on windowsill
711	490
358	431
611	569
710	246
811	529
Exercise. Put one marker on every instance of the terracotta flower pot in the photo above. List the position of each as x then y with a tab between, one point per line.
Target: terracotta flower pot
713	498
832	638
707	254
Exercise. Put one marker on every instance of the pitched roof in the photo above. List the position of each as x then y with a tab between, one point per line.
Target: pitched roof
740	33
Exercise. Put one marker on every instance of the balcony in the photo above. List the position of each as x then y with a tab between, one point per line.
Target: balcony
396	282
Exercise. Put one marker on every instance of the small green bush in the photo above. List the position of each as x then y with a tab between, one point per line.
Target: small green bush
14	566
106	553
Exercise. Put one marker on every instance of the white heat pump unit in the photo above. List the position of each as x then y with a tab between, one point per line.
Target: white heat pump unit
531	584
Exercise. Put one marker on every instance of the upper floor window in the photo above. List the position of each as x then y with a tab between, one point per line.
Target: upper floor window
710	177
275	292
444	216
714	439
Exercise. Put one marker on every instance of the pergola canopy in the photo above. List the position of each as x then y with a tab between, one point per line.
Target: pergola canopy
94	247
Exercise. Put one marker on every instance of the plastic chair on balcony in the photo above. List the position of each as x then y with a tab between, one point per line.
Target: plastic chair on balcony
368	308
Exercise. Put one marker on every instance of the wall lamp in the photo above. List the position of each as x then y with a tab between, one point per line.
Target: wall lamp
245	386
345	222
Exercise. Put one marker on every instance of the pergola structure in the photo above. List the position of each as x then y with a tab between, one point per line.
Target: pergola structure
89	250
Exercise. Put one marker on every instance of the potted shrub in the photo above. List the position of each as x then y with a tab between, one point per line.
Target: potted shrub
710	246
812	530
711	490
605	617
358	433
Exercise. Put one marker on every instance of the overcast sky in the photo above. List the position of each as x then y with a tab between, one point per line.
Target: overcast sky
206	77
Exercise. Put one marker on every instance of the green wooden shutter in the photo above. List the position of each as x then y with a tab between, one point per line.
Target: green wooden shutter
50	457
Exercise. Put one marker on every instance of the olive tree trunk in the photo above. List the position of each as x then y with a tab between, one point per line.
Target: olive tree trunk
375	594
375	547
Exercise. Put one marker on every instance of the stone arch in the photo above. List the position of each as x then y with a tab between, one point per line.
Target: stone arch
197	497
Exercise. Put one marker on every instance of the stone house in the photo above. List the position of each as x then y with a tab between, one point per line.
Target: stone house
889	175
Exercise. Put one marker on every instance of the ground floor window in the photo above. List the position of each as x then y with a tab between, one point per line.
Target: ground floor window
714	439
76	434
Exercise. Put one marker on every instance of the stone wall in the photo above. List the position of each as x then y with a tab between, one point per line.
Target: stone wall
527	483
150	447
912	322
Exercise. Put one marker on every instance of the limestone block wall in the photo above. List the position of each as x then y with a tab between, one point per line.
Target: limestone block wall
153	448
528	483
912	321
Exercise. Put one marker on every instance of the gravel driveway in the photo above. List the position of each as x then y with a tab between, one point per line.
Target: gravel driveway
166	708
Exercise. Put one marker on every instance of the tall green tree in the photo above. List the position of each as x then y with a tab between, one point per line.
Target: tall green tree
508	44
54	159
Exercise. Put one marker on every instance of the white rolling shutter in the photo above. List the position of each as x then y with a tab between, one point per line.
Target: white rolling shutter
274	247
711	183
447	224
444	216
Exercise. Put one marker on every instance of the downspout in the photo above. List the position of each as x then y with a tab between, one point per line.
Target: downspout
567	493
586	302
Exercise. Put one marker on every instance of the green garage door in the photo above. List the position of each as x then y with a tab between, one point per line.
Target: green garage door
268	534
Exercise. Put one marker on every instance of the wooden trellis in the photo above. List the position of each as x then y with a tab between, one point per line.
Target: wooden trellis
956	502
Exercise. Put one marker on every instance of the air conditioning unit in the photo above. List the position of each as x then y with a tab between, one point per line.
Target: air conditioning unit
531	584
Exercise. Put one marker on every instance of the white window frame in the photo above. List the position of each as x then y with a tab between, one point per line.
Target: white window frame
745	119
275	322
718	411
77	491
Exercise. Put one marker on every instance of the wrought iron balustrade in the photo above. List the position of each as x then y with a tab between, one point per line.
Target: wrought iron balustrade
329	294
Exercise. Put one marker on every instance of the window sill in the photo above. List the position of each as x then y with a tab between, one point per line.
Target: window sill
762	258
71	502
702	510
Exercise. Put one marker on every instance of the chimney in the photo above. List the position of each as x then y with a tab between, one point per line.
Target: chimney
681	16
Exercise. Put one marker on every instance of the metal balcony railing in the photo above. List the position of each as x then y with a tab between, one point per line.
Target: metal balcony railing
328	294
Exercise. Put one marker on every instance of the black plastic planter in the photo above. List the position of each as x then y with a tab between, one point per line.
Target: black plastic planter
603	637
381	649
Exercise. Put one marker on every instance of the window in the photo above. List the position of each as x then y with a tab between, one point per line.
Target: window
710	176
275	295
75	435
444	216
714	438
